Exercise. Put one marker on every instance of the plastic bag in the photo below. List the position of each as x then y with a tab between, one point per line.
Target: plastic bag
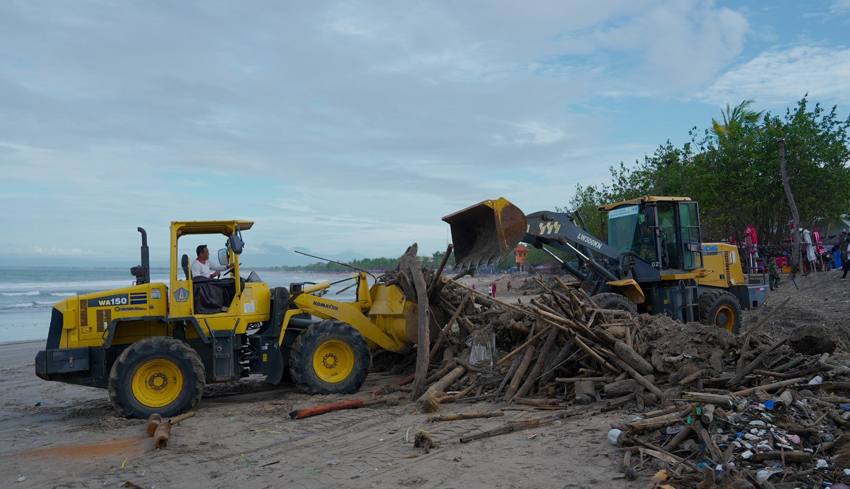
482	348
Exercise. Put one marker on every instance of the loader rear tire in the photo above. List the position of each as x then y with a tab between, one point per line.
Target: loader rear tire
156	375
330	357
720	308
617	302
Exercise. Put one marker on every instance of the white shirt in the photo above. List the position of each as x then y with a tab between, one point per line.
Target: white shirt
205	269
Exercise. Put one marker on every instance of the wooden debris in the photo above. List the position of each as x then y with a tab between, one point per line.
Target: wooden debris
182	417
701	393
153	423
456	417
162	434
338	406
424	441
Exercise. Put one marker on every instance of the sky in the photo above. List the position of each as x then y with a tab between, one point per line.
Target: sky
347	126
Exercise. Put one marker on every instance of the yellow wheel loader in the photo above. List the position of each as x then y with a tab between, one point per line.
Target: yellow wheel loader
654	260
155	346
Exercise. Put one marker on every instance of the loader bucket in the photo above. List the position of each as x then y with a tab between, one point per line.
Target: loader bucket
486	232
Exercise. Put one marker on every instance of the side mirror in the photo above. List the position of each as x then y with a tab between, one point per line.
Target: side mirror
223	258
235	242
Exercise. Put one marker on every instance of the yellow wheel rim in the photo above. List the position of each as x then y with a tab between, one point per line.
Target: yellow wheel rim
157	383
725	318
333	361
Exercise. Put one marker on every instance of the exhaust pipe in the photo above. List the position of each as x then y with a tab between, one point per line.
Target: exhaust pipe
143	271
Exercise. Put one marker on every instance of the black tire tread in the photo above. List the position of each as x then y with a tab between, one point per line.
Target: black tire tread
709	300
300	359
145	348
606	300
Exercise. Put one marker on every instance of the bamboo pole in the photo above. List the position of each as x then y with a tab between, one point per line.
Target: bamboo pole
520	373
768	387
656	422
456	417
541	362
522	346
755	363
443	383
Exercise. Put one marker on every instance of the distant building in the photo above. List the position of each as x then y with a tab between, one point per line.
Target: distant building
521	254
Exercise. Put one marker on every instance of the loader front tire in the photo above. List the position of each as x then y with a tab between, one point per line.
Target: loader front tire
720	308
617	302
156	375
330	357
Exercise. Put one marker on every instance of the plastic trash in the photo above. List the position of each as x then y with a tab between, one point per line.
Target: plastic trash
22	478
746	455
615	436
817	380
764	475
821	464
770	404
482	348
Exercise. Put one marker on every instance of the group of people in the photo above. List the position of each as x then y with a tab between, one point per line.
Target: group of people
842	255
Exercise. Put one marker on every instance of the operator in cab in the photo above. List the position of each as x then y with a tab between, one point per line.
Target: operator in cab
644	241
203	267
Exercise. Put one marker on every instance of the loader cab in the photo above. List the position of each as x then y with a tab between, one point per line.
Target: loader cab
662	231
209	298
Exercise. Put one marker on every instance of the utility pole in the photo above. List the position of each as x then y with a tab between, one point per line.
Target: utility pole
795	255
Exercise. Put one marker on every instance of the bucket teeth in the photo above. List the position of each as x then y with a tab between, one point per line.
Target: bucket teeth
486	232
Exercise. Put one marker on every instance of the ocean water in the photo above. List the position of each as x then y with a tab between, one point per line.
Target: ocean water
27	295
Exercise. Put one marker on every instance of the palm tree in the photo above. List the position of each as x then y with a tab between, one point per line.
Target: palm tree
734	120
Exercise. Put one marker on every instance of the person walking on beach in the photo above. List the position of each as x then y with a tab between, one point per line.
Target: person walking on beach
494	289
203	267
509	285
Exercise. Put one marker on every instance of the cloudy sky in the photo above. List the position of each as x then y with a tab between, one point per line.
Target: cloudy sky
358	125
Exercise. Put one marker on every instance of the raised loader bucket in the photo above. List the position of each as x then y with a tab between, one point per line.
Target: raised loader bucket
486	232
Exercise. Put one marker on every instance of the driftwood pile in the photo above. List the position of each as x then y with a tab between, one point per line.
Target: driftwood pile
706	408
711	408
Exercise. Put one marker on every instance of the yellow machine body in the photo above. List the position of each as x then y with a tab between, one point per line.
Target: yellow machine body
722	265
154	346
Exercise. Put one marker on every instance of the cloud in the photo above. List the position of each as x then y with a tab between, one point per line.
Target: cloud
341	123
780	77
840	7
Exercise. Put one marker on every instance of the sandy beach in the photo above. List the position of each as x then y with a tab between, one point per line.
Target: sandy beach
65	436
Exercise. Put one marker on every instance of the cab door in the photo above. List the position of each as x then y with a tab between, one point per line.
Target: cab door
691	235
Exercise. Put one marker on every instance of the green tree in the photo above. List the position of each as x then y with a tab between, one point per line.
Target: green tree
732	170
735	120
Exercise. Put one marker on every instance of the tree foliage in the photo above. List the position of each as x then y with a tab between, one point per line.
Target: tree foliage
372	264
732	170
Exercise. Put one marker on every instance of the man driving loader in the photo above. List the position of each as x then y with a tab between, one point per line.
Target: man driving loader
644	245
202	267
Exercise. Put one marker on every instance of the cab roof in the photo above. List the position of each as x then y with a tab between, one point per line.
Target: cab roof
210	227
642	200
